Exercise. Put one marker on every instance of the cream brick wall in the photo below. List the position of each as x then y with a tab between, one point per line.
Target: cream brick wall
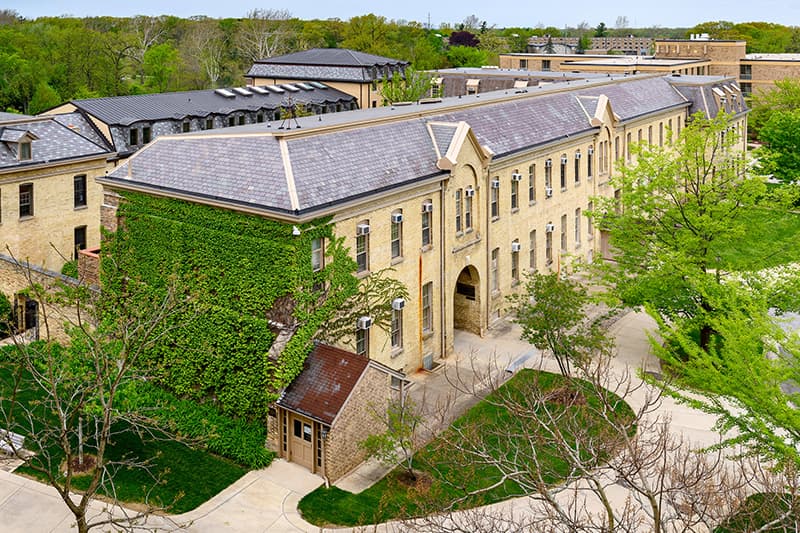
46	239
356	421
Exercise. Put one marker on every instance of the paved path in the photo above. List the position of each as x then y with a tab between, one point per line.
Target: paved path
266	500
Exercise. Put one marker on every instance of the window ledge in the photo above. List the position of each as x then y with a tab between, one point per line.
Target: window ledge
514	210
496	294
362	274
531	203
426	248
81	207
396	352
495	219
397	260
427	334
26	217
563	189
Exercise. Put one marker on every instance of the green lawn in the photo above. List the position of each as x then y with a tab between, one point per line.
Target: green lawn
190	476
451	473
771	240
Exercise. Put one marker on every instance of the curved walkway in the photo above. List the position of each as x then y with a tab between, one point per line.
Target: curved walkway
266	500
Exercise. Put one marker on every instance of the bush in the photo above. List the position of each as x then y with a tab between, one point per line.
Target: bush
6	317
236	439
70	269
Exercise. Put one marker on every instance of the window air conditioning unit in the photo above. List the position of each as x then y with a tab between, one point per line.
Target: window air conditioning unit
516	247
364	322
362	229
495	183
397	218
548	163
516	176
563	160
398	304
548	192
549	228
469	193
427	207
590	151
577	155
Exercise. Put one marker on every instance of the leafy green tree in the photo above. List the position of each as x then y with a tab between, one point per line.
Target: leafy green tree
584	43
368	33
676	203
161	66
466	56
409	88
552	314
780	155
601	30
45	97
785	96
401	421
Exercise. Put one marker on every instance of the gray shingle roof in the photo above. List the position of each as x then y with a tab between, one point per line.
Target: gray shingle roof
326	64
54	142
125	110
332	56
244	165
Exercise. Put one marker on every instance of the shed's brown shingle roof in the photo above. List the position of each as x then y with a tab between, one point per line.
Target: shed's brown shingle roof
328	377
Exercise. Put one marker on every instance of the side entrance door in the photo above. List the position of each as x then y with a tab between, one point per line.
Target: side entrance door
302	442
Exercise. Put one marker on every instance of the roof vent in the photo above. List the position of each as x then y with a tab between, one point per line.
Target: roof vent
242	91
225	92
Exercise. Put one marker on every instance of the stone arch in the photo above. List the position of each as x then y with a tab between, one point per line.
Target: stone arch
467	301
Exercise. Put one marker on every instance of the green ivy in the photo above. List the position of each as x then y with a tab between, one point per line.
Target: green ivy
234	267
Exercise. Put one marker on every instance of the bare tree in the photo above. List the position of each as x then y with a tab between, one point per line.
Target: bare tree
147	32
633	475
264	33
68	401
622	23
205	49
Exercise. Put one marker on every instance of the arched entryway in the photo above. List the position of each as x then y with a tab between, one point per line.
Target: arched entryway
467	301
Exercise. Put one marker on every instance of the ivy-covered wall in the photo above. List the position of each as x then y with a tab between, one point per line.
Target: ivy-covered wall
234	267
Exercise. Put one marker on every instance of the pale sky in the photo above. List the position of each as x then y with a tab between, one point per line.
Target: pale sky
502	13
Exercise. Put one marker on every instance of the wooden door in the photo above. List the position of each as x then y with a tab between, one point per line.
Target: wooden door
302	442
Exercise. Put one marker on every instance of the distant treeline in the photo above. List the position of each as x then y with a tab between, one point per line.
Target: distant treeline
47	61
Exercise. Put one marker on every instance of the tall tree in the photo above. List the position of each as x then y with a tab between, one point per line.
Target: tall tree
676	203
780	155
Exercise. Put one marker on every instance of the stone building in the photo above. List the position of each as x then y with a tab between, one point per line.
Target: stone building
458	197
626	45
355	73
334	404
49	200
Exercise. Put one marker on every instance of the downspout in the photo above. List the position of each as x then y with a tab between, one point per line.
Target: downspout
443	270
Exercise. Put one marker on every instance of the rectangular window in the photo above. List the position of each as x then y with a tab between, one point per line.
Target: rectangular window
133	135
661	134
577	168
649	134
241	120
548	245
146	134
362	252
209	123
468	212
26	200
578	227
616	148
79	191
426	228
362	342
316	254
628	147
458	210
546	64
80	240
493	267
532	184
589	225
397	236
515	264
563	172
548	178
25	151
563	233
514	195
532	251
639	135
260	117
495	208
589	159
427	306
397	328
231	121
186	127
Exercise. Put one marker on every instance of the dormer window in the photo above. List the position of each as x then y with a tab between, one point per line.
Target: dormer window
25	151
